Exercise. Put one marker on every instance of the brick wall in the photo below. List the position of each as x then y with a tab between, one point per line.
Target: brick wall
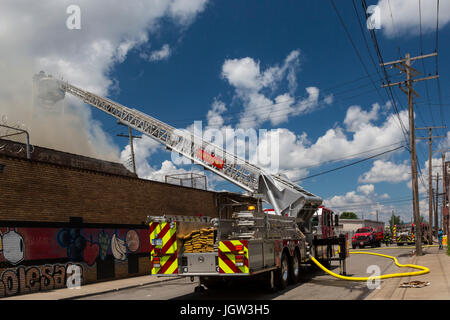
38	198
43	256
40	191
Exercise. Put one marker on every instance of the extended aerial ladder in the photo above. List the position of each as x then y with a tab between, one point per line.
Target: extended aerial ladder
287	198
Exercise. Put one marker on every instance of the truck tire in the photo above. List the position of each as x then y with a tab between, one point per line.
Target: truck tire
283	272
354	246
295	268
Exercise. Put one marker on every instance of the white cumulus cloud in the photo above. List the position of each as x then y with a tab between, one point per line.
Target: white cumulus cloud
161	54
386	171
84	57
366	188
400	17
254	86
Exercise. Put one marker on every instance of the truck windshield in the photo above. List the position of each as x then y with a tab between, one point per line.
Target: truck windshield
363	230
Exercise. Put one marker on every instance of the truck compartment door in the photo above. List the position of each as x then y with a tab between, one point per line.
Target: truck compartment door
233	256
163	248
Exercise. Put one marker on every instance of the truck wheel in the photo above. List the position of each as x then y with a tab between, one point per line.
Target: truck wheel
283	272
295	268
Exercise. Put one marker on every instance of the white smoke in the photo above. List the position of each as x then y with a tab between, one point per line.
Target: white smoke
34	37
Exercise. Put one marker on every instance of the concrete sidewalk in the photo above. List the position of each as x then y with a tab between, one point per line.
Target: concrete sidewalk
439	277
92	289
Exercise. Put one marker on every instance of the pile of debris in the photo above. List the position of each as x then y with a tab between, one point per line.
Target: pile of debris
199	241
414	284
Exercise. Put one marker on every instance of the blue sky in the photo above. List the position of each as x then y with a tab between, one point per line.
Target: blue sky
239	57
186	84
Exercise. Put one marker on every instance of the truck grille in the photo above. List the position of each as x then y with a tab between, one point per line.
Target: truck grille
361	238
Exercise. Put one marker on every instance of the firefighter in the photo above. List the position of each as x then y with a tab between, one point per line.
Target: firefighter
387	239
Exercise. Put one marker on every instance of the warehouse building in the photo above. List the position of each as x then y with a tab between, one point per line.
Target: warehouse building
58	210
351	225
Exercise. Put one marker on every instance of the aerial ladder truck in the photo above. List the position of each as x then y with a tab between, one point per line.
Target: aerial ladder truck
249	243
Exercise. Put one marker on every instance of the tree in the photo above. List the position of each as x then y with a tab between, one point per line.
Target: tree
395	220
348	215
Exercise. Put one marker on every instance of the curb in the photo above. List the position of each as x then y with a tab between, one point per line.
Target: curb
117	289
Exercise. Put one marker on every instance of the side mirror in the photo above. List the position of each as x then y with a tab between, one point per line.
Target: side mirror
336	221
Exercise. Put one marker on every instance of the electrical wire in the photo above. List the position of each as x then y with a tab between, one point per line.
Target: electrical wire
339	159
354	46
441	110
388	89
350	164
423	62
239	116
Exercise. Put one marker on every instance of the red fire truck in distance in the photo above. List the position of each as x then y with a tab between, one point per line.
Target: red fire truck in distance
368	236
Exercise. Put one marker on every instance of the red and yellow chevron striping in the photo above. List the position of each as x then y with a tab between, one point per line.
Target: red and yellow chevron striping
233	256
163	248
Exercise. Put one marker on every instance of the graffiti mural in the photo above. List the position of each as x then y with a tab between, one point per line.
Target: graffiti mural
12	246
77	244
22	280
37	258
72	240
104	242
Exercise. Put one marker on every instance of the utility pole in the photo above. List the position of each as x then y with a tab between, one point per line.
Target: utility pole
436	218
445	194
131	137
444	197
404	65
430	175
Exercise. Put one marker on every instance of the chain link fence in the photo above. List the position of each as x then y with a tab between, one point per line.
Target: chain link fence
189	179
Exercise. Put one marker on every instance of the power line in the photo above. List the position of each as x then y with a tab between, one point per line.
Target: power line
340	159
423	62
270	114
362	205
348	165
380	58
349	156
353	45
437	64
364	38
267	107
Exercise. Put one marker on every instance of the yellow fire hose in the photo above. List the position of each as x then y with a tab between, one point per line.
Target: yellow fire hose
401	247
424	270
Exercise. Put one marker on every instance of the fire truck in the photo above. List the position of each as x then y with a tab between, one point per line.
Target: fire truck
405	233
248	242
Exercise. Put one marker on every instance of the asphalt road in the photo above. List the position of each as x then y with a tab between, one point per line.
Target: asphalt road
315	284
